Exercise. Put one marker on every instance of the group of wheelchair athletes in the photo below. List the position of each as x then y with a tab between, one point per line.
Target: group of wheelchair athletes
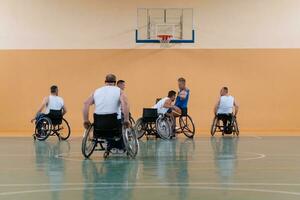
113	130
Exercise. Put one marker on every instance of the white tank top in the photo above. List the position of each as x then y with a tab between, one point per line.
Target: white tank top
107	100
160	106
54	103
226	105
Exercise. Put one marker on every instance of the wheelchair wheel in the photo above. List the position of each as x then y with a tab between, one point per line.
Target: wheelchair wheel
131	120
64	130
139	128
131	142
236	127
187	126
163	127
43	128
214	126
88	142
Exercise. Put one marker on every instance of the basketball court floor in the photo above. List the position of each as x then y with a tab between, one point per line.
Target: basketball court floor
235	168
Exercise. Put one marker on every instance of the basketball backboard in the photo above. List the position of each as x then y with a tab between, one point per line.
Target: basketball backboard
152	22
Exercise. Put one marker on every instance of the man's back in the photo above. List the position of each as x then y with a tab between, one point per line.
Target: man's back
226	104
107	100
160	106
54	103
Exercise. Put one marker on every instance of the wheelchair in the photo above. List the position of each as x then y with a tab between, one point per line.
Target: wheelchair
51	124
218	126
154	124
186	124
109	136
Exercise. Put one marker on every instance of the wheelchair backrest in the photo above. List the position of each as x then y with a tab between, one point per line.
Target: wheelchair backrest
107	126
55	116
150	114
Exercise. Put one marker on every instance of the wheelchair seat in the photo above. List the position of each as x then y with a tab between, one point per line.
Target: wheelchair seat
55	116
150	115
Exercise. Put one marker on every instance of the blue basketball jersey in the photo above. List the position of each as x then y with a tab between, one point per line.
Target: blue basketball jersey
182	103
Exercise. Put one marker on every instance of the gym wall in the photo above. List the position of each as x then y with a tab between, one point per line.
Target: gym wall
265	83
249	46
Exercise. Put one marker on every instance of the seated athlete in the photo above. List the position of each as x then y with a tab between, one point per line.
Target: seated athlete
53	102
225	109
165	105
107	101
183	95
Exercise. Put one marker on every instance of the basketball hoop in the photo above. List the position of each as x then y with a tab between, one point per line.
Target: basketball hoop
165	39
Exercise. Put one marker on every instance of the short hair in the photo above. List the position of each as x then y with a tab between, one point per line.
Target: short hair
225	89
110	78
53	89
181	79
171	93
120	82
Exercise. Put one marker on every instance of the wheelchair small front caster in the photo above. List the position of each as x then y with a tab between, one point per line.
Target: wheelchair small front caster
106	154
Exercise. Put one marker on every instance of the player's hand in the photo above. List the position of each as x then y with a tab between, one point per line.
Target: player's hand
32	120
87	124
127	124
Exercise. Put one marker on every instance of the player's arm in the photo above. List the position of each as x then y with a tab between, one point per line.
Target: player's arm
183	94
42	107
64	110
216	107
236	108
125	108
168	104
85	111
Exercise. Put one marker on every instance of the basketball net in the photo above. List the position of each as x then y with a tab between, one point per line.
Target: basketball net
165	40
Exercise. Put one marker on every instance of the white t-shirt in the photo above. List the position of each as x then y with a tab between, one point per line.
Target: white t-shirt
107	100
54	103
160	106
226	105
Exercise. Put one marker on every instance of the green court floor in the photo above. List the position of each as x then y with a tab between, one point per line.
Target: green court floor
225	168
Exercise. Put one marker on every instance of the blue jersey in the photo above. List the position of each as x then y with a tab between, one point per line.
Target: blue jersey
182	103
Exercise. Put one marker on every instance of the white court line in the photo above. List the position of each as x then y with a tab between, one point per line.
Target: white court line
258	156
152	187
145	184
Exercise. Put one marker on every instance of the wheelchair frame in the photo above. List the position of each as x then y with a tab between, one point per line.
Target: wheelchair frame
45	128
90	143
149	128
216	127
153	124
186	125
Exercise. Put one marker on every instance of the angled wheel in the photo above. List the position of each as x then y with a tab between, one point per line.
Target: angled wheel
139	128
43	128
236	127
64	130
88	142
187	126
214	126
163	127
131	120
131	142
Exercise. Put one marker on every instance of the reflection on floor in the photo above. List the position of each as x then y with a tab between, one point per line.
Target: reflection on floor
203	168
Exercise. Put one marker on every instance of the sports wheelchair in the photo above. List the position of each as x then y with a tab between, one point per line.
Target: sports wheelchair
186	124
154	124
51	124
219	126
110	136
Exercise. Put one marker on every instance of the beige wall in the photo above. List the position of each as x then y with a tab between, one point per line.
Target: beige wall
65	24
264	82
